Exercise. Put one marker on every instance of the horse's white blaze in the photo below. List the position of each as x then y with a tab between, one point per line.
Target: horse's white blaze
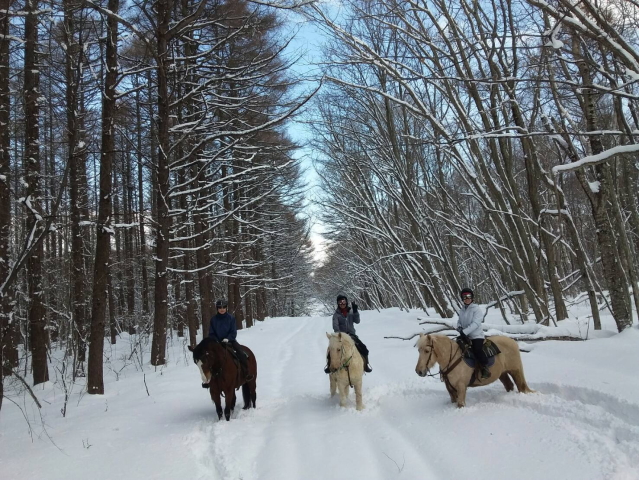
204	378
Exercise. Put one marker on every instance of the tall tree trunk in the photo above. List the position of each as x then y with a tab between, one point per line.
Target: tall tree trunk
76	159
6	300
127	198
158	345
36	314
145	278
95	381
615	277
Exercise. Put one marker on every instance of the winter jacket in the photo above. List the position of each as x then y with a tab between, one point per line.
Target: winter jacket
343	323
470	318
223	326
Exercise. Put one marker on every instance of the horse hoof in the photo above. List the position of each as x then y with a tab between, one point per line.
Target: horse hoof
360	407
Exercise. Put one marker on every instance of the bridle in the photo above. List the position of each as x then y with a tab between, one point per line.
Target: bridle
443	374
345	364
430	354
216	374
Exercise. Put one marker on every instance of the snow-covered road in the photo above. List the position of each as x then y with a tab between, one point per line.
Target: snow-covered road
582	424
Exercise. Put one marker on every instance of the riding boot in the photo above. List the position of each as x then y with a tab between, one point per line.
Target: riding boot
241	357
367	367
485	373
328	361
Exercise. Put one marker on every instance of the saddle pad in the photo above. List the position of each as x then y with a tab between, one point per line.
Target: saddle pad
471	362
490	349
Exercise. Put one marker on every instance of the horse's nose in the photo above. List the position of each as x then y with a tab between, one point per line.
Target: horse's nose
420	372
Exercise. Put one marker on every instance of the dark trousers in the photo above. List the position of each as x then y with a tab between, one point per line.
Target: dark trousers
361	348
239	353
478	349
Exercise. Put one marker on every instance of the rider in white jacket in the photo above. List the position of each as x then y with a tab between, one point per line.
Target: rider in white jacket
469	326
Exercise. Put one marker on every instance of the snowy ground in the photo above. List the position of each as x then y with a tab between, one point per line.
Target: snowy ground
583	422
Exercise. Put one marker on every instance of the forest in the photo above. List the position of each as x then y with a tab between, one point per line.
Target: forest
146	168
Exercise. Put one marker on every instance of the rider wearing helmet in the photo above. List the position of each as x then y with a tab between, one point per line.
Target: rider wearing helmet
470	329
343	320
224	329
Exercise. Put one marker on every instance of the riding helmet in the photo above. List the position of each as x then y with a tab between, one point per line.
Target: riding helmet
221	303
465	291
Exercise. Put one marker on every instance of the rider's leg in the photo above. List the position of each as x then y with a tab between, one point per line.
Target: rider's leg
480	356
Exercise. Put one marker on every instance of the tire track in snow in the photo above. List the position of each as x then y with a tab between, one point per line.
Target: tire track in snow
234	447
409	428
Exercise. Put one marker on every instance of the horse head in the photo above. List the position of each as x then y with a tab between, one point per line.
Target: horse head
427	356
204	357
335	351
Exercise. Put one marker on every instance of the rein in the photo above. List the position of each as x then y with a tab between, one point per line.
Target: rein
219	371
345	364
443	374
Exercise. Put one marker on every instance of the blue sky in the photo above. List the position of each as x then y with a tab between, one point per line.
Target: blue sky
307	44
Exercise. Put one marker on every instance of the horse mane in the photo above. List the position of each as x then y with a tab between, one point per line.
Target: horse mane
421	341
343	337
204	345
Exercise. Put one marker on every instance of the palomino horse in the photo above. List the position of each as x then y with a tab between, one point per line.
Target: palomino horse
220	371
457	375
346	366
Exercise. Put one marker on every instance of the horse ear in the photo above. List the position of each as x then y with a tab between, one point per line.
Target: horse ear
328	335
191	348
421	335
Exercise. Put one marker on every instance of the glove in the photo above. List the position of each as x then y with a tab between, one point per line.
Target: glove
460	329
226	340
354	305
462	335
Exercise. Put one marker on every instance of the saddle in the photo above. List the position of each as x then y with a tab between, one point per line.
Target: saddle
490	350
241	374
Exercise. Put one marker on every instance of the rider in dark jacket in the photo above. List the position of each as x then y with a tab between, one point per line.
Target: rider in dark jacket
343	321
223	329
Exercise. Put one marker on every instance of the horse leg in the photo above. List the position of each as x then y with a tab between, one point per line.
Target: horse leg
253	391
230	403
508	384
333	384
520	381
461	395
451	393
358	394
218	403
246	396
343	393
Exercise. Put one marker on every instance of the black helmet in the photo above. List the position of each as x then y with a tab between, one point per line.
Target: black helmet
466	291
341	297
221	303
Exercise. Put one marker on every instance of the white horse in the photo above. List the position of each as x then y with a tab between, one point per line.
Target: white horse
346	366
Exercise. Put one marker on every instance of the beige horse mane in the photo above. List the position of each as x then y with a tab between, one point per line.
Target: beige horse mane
342	338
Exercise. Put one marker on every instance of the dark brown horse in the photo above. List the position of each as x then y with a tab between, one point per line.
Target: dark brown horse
222	372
